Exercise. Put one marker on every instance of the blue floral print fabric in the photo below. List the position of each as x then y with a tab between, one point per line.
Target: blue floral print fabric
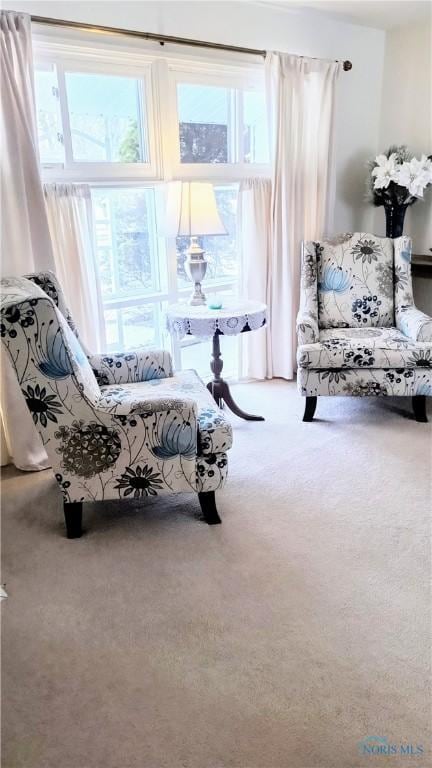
114	426
404	382
359	331
365	348
355	282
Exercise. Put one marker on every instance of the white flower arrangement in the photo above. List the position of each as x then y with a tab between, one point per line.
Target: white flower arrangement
398	178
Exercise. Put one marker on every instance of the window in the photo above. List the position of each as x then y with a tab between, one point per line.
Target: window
220	125
205	123
94	120
124	122
105	129
126	243
134	326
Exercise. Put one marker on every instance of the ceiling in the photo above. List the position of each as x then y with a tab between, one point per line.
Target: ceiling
383	14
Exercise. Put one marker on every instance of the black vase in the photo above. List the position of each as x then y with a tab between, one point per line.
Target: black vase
395	215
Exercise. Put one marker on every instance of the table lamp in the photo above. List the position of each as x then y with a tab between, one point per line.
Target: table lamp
192	211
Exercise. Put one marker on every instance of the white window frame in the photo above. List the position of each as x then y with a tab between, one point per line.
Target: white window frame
238	82
81	60
160	72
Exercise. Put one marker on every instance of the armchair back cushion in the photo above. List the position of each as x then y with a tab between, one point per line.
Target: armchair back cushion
42	345
61	343
355	281
50	285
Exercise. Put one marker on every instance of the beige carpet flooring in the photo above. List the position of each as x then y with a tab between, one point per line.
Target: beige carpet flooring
280	639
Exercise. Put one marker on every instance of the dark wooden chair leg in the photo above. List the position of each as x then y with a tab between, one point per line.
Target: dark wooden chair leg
310	408
419	407
73	519
208	507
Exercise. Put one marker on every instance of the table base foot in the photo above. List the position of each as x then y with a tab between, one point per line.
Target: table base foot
221	393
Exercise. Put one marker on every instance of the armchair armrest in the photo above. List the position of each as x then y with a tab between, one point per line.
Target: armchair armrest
164	427
307	328
121	401
414	323
152	428
134	366
307	318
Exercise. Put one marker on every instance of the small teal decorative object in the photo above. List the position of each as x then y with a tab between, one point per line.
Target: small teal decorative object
215	304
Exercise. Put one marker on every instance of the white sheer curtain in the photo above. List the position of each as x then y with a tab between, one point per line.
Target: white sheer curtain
69	218
25	240
254	208
301	99
29	242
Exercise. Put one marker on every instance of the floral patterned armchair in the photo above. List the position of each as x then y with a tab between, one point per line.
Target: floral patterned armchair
358	330
114	426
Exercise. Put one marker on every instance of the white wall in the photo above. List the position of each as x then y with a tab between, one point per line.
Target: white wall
265	26
406	115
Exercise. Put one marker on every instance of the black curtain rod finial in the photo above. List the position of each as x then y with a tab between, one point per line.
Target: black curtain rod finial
347	65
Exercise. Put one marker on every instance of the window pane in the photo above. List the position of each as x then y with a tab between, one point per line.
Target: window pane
126	242
105	118
48	116
204	123
131	327
221	250
255	143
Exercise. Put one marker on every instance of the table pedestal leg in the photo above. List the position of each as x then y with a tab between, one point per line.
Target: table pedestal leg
220	389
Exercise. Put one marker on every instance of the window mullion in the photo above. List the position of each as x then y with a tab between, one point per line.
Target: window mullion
64	111
166	119
240	127
143	138
166	123
134	300
173	293
232	126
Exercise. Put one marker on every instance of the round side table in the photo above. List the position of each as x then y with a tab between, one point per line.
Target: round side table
234	318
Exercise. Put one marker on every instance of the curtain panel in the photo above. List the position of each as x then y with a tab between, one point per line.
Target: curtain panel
254	215
69	218
41	229
25	239
301	102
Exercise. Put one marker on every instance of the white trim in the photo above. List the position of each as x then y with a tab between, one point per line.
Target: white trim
219	173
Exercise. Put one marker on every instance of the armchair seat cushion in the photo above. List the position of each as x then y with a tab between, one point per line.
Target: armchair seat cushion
214	430
364	348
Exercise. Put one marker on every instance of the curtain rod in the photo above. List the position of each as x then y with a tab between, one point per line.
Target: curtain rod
162	39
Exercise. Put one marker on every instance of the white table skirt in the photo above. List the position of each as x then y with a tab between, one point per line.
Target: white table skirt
234	318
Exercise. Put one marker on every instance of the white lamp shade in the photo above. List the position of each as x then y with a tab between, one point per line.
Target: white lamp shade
191	210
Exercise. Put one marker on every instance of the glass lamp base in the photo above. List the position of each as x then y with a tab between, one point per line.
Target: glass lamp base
195	268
